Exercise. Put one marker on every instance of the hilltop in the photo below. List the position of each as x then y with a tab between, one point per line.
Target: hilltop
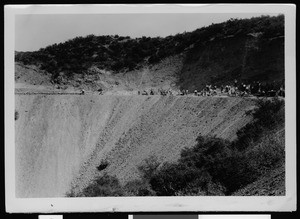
242	49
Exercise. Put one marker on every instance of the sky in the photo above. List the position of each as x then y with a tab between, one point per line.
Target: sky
35	31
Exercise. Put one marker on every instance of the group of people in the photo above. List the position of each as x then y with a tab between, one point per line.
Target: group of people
255	88
82	91
153	92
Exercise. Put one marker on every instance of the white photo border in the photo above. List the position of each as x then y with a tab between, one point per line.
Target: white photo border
148	204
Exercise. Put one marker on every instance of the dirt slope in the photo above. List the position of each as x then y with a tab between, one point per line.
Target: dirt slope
220	61
60	140
31	74
30	78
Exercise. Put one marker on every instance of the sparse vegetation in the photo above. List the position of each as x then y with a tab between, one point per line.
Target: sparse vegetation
214	166
103	165
78	55
267	117
138	188
103	186
148	168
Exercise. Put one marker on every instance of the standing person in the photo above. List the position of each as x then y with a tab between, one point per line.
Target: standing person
248	88
281	91
82	91
226	89
235	84
222	88
229	90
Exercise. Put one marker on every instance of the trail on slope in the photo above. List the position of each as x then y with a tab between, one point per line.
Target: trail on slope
60	140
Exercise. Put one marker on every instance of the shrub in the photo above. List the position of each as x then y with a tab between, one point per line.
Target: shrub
103	165
104	186
267	153
233	172
202	186
138	188
266	117
148	167
216	166
171	178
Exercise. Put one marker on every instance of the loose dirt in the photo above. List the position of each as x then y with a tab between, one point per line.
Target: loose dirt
60	140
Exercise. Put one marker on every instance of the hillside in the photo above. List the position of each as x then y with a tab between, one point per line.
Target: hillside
204	145
246	50
60	140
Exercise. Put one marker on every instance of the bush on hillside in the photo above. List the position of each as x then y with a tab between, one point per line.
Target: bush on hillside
105	185
103	165
148	167
266	117
171	178
77	55
138	187
215	166
269	152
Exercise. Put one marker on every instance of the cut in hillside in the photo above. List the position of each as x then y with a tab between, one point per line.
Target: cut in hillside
61	140
245	49
163	75
221	61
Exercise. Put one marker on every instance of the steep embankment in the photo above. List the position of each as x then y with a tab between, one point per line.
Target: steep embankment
163	75
60	140
242	57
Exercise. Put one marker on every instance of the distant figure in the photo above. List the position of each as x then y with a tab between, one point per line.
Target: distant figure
195	92
151	92
259	90
281	92
139	92
248	89
235	83
82	92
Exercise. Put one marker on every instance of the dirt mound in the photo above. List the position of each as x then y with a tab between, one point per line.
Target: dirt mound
30	74
158	76
60	140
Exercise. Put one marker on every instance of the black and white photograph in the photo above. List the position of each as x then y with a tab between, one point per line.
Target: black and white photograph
148	107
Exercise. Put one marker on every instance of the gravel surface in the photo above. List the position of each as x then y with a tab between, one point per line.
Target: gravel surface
60	140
